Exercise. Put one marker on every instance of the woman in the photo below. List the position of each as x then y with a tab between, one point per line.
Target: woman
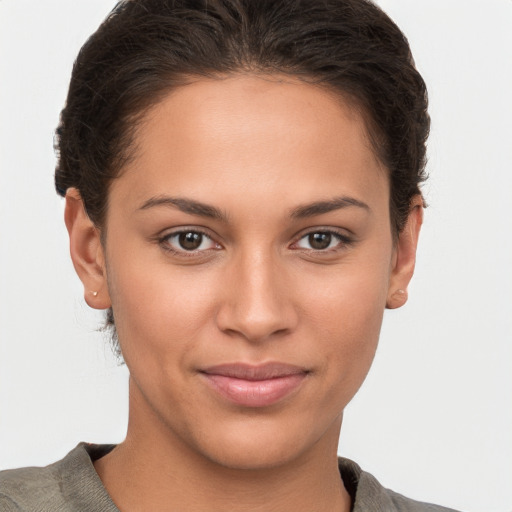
242	195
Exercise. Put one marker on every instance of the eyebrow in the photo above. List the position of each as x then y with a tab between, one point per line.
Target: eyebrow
205	210
320	207
187	206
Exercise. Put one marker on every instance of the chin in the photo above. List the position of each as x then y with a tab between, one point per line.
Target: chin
261	445
253	456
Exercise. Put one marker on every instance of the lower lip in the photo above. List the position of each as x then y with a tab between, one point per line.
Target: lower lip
255	393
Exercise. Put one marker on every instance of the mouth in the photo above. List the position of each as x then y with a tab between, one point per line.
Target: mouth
254	385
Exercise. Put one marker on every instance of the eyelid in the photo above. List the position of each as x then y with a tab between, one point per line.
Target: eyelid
345	240
341	234
165	235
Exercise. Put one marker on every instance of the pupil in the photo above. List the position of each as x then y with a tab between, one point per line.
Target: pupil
320	240
190	241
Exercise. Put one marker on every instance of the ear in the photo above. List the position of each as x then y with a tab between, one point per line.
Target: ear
404	257
86	251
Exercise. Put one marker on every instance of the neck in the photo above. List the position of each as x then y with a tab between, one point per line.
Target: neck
155	470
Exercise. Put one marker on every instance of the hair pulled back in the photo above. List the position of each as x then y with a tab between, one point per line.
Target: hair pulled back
145	48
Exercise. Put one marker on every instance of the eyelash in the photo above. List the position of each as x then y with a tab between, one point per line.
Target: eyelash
344	242
164	242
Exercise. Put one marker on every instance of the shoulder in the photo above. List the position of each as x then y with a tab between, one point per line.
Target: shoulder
21	488
369	494
7	504
57	487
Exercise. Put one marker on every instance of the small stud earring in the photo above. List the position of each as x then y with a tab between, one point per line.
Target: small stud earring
400	292
94	294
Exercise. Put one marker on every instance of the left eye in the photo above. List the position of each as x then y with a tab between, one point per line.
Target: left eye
190	241
320	241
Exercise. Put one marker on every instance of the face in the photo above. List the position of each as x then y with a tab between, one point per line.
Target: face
248	260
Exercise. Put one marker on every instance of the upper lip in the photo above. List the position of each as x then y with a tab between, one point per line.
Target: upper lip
254	372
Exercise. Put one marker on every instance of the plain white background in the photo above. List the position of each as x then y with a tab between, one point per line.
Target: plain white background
434	418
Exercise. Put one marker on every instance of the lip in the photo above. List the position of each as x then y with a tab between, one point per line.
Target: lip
254	385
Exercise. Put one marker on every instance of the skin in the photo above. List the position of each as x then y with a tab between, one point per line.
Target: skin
260	150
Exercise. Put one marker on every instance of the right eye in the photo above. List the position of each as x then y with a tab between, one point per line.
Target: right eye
188	241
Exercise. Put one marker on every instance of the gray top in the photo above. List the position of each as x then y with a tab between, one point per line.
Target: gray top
72	485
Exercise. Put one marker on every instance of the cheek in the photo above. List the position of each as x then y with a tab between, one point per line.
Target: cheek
157	308
349	298
352	323
345	317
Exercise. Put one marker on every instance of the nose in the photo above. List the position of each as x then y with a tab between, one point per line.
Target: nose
257	301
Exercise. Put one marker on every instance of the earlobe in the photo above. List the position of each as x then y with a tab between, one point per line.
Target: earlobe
86	251
405	256
397	299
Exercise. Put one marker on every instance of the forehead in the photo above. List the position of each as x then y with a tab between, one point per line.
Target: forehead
248	105
253	134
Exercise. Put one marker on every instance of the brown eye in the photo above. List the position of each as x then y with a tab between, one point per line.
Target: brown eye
324	241
190	241
319	241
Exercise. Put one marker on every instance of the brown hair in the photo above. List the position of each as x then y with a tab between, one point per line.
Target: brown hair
145	48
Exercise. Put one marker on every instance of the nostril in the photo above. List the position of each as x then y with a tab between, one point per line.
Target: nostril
235	321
